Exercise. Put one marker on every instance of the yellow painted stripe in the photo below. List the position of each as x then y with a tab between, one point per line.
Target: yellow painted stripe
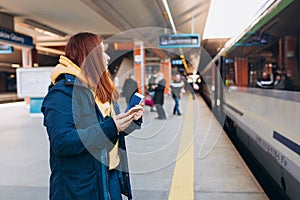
182	186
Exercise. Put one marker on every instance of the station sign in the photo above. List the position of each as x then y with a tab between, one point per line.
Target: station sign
179	41
15	38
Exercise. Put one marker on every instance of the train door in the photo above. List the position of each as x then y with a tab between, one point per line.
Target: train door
219	77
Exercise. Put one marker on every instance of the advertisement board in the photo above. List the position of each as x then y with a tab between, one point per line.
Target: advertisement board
33	82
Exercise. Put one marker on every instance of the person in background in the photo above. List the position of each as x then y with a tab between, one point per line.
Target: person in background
151	89
279	82
159	96
265	81
129	88
152	83
117	82
176	87
85	128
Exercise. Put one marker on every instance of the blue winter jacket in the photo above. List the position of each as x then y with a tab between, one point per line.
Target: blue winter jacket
80	140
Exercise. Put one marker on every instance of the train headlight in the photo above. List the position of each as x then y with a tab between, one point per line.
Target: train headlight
190	80
199	80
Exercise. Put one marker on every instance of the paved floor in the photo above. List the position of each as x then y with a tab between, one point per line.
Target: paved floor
24	154
8	97
183	157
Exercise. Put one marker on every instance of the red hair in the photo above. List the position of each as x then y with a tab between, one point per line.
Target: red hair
85	50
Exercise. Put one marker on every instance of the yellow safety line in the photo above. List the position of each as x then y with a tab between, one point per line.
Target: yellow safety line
182	186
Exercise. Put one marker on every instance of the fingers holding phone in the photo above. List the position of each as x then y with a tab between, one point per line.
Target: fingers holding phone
123	120
137	112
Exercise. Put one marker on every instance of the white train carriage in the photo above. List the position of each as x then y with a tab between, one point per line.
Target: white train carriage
264	119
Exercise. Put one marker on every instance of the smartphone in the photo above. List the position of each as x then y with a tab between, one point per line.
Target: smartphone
135	99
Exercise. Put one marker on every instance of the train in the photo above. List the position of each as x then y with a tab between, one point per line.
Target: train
261	114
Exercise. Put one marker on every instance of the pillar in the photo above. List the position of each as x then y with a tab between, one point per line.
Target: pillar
241	71
26	57
167	74
139	65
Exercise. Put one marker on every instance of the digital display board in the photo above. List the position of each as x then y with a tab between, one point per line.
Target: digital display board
179	41
255	39
177	62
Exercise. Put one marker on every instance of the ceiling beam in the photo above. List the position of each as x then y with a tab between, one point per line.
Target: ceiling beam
110	13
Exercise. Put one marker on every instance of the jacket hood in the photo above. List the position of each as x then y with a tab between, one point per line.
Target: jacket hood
66	66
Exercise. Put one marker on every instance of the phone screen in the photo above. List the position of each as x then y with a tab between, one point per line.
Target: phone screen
136	99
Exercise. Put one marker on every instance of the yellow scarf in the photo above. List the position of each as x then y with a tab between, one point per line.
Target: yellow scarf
108	110
66	66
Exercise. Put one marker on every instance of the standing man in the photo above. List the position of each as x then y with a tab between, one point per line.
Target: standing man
129	88
176	87
159	97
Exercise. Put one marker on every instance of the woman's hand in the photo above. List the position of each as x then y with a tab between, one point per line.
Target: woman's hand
123	120
137	112
137	115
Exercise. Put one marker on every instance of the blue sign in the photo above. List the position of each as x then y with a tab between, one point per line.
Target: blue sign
177	62
5	49
179	41
15	38
35	105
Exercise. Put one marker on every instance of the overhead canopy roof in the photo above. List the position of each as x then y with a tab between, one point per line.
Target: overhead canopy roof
109	17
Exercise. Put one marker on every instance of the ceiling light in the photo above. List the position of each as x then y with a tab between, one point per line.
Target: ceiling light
50	50
15	65
166	5
42	28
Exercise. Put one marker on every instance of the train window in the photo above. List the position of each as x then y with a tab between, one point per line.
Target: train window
268	57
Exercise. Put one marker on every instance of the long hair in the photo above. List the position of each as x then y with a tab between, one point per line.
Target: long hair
85	50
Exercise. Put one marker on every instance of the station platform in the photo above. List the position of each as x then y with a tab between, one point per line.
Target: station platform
183	157
8	97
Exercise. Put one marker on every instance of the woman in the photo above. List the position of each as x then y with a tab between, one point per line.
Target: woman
85	127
